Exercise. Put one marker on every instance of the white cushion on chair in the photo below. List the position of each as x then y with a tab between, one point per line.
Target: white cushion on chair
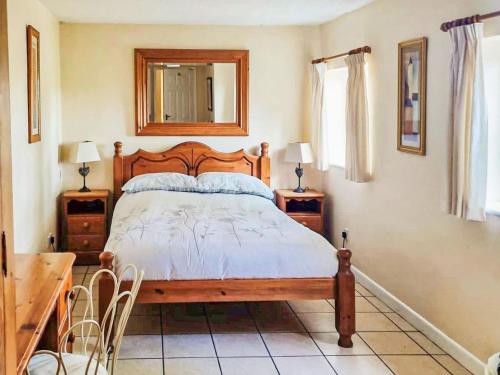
44	364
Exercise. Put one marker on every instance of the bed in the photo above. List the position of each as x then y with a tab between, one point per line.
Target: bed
220	247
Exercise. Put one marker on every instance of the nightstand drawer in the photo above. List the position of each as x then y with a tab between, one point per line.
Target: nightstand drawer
313	222
86	225
86	242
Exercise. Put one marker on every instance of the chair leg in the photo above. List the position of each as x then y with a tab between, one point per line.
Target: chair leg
345	317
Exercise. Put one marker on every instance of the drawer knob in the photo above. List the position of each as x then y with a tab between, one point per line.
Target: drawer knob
86	224
304	223
86	243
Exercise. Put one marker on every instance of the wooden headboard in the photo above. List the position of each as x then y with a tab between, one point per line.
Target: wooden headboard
191	158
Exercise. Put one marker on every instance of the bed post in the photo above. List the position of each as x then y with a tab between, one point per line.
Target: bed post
265	163
106	286
117	172
345	300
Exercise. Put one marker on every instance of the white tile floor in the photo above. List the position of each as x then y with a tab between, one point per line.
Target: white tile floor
288	338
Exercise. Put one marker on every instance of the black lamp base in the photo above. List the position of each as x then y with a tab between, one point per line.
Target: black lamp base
299	172
84	171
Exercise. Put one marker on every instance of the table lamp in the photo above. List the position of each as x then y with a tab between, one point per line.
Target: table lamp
299	153
84	152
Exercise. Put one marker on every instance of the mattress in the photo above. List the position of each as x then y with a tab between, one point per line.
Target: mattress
193	236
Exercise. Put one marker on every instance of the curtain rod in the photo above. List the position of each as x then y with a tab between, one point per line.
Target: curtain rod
365	49
468	20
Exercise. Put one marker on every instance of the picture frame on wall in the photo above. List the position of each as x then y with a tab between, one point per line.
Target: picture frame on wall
34	104
412	95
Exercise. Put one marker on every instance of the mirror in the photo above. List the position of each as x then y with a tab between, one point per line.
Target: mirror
187	93
192	92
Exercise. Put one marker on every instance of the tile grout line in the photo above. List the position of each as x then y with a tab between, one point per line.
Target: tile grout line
310	336
361	338
292	356
162	341
428	354
260	335
376	354
369	302
394	312
211	335
405	332
372	349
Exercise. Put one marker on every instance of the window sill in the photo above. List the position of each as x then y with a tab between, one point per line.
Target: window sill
493	212
493	209
337	166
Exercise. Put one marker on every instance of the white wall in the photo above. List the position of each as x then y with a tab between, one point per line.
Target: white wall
444	268
36	174
98	88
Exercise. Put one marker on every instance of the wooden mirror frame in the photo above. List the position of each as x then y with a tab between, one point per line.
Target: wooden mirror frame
144	56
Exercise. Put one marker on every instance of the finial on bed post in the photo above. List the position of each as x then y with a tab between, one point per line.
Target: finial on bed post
345	299
118	148
117	172
265	164
264	149
106	258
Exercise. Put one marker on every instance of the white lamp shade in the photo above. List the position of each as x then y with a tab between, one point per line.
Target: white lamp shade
84	152
299	153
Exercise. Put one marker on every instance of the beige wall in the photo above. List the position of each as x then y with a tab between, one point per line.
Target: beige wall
98	88
36	175
444	268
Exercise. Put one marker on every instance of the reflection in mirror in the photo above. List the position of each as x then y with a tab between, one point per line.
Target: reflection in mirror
191	92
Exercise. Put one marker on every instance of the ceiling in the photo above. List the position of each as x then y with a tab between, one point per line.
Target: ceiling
202	12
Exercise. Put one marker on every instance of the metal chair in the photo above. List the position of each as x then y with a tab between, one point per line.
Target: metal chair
96	356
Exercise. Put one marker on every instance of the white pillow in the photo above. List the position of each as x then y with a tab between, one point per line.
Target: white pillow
168	181
232	183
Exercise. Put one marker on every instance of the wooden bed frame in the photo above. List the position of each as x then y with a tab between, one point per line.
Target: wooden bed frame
194	158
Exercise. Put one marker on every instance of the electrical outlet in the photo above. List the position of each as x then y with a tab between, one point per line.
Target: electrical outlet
345	233
51	239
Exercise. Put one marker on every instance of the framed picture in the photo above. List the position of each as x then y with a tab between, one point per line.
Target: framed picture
210	93
34	116
412	85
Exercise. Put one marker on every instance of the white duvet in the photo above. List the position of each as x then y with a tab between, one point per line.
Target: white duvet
189	236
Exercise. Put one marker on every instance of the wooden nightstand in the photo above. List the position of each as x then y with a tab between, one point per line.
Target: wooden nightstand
85	224
306	208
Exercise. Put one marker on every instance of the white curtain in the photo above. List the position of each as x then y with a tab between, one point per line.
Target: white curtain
320	134
469	126
357	136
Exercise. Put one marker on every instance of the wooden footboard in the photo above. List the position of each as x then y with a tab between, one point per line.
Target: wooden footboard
340	288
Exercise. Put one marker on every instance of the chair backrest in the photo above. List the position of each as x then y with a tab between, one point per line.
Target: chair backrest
84	333
94	355
48	365
88	328
110	321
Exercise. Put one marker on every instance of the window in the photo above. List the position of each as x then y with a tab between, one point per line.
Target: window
335	98
492	85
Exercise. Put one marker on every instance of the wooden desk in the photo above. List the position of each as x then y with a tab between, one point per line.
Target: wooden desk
42	281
